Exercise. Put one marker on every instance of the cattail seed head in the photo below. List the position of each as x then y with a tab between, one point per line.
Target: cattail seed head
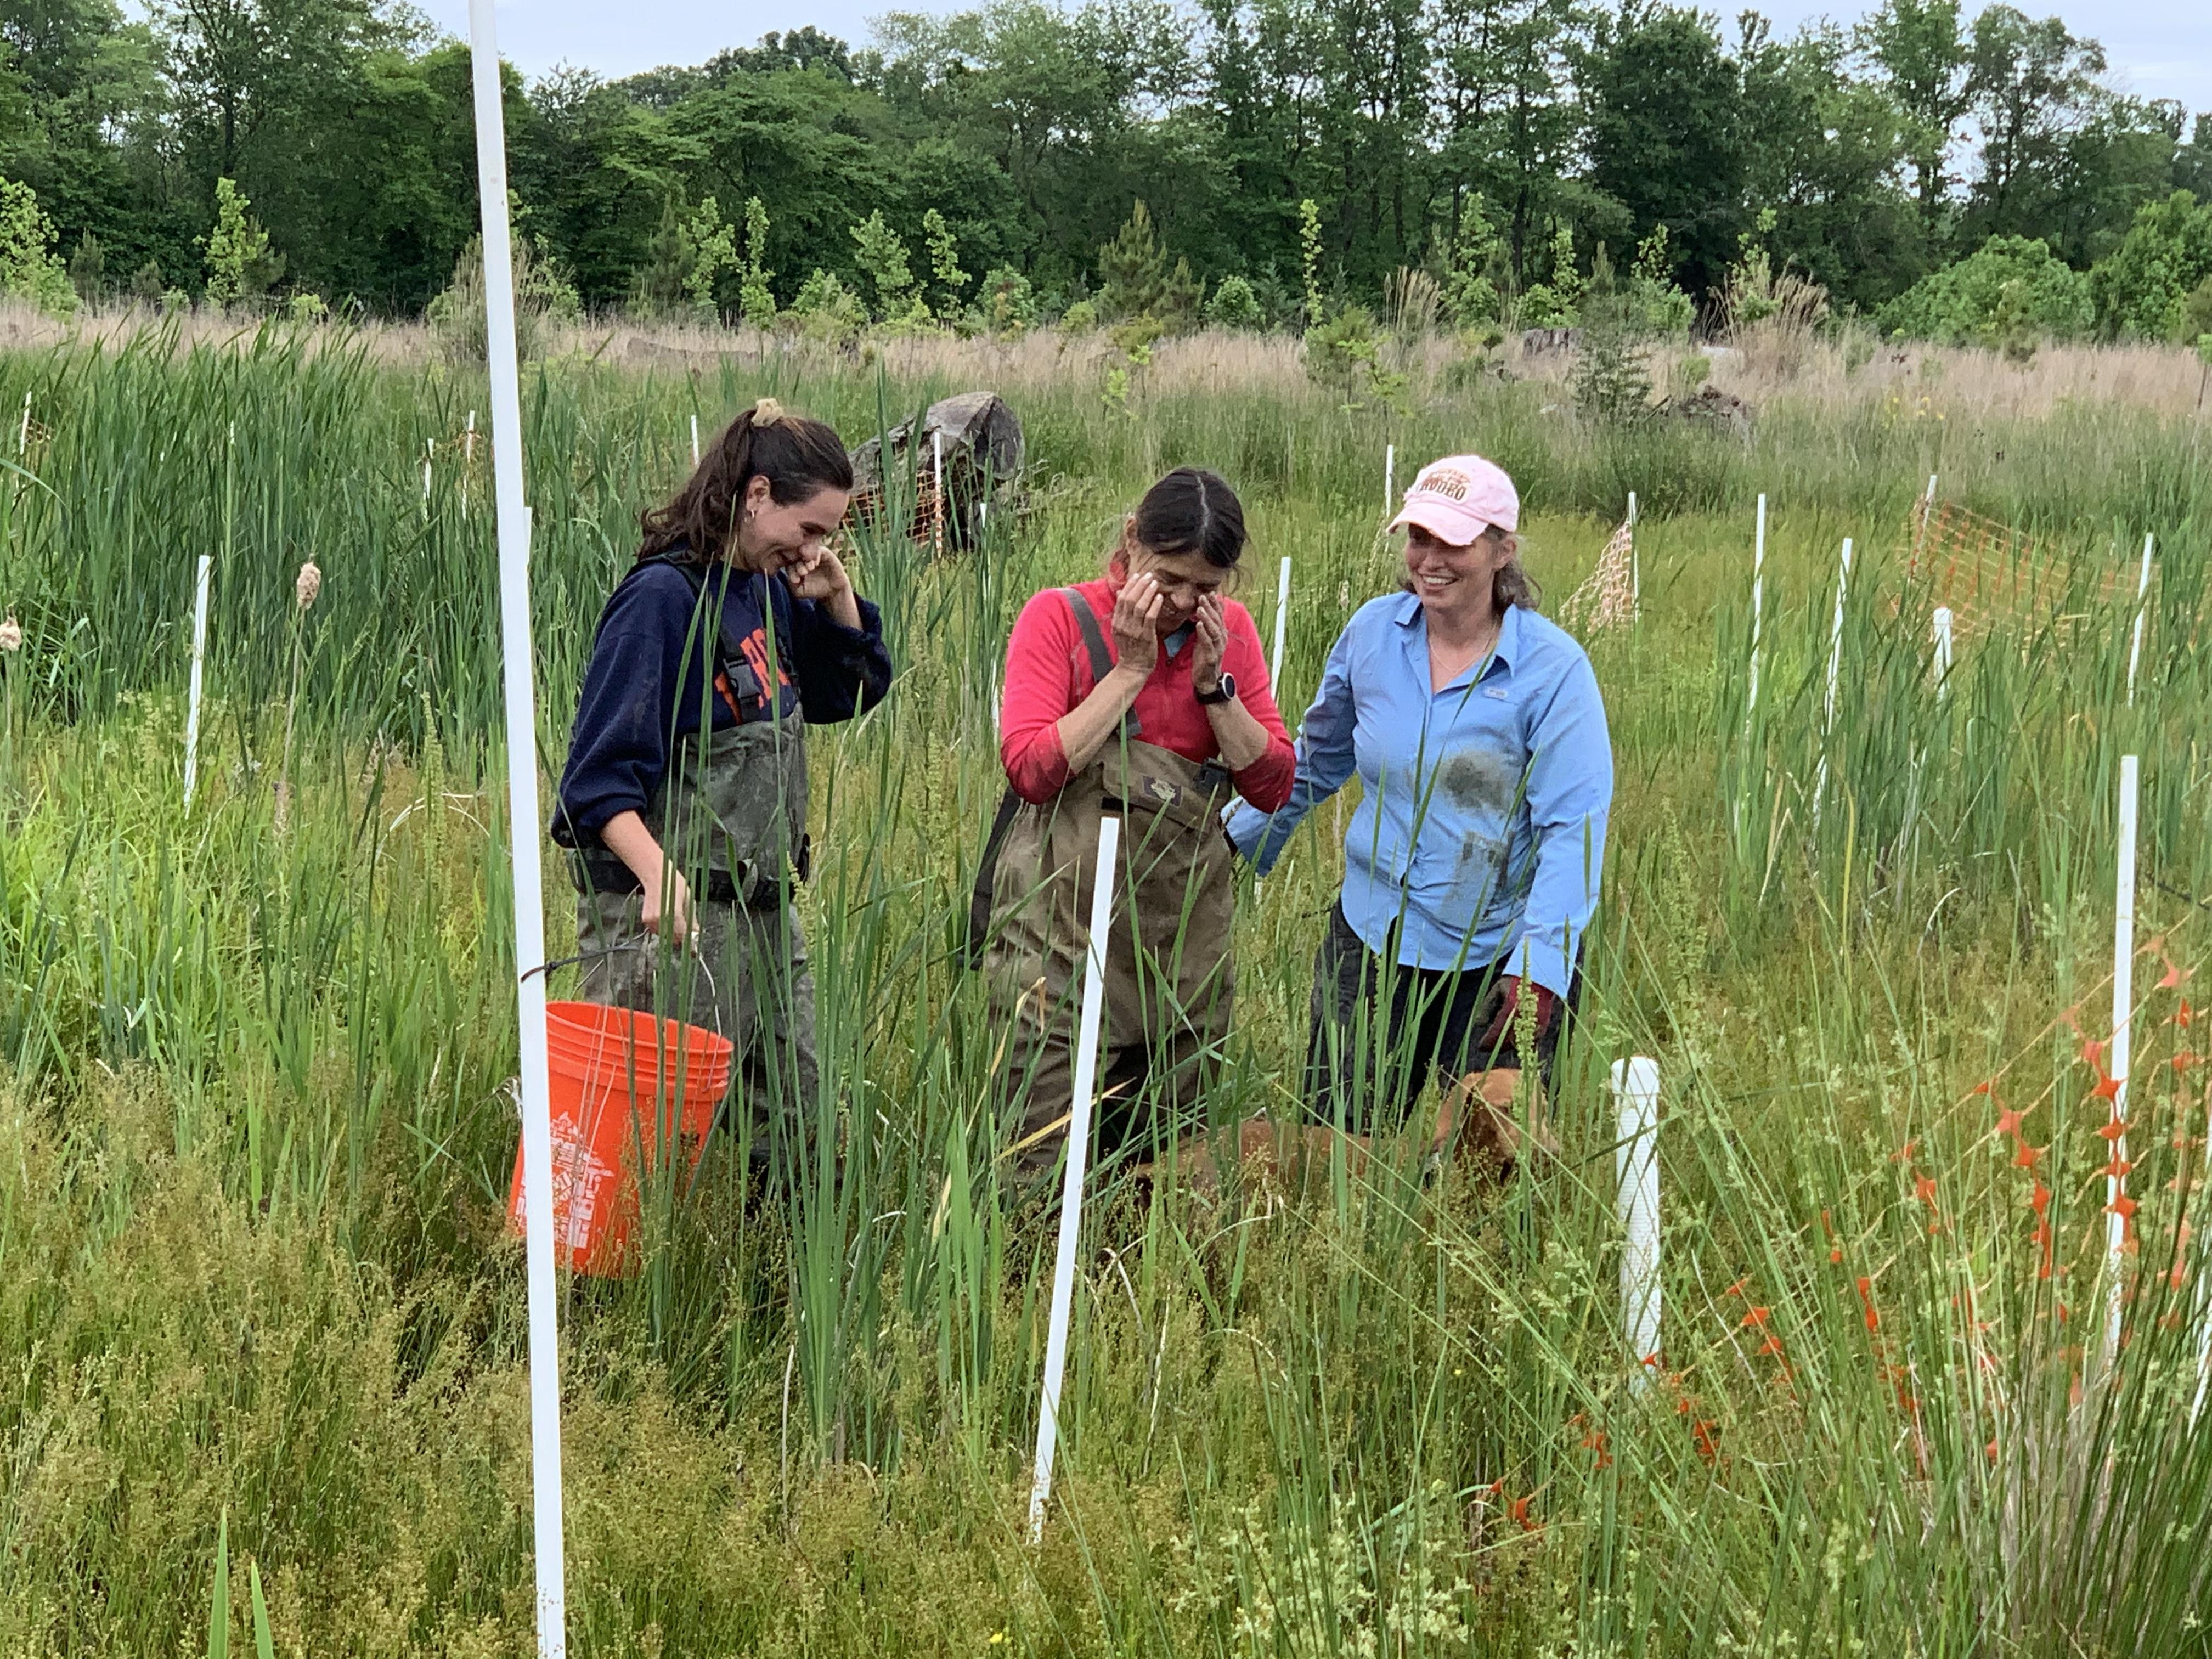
11	634
309	585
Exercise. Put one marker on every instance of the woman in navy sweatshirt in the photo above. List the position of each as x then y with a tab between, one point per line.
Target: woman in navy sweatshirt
683	802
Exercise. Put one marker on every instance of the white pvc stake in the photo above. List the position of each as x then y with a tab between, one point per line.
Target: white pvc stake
1635	1159
1389	477
429	448
1942	653
193	698
1757	600
1635	564
695	440
937	452
513	522
1835	669
2123	993
1079	1155
1282	615
2203	1324
2135	650
1927	512
23	433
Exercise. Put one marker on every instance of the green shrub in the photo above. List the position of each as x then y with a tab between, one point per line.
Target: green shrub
2007	286
28	267
1233	305
2139	289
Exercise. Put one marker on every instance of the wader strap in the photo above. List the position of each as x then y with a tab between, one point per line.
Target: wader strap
987	877
1094	641
733	674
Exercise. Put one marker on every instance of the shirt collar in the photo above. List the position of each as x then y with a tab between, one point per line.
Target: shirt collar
1507	651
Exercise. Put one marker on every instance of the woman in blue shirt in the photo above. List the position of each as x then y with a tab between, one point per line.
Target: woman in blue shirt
1472	864
684	798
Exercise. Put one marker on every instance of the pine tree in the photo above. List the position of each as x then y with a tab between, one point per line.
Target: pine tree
1136	279
662	281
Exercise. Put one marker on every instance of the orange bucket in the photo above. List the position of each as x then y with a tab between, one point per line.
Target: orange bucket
617	1075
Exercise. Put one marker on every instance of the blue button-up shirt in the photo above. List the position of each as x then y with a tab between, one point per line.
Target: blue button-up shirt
1481	830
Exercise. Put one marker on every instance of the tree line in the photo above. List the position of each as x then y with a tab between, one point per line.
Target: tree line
1279	156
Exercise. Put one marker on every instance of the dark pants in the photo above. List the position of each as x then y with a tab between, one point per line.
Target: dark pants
1381	1030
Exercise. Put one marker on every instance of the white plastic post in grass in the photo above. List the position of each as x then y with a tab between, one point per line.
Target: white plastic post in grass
2135	647
513	522
1927	512
1835	672
695	440
23	432
1635	564
1078	1157
937	470
1282	615
2123	996
1758	602
429	449
192	697
1942	653
1389	477
1635	1159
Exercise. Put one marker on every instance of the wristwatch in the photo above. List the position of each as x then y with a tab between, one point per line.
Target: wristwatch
1225	690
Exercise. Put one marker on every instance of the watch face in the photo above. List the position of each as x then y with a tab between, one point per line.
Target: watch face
1228	685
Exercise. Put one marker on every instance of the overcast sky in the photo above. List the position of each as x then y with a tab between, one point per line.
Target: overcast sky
2158	48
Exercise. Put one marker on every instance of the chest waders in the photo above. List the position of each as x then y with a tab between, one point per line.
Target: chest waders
1170	981
730	814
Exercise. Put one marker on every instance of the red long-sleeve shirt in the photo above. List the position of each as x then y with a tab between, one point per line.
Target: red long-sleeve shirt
1048	673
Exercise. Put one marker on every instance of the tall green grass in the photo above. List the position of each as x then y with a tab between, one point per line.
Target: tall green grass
256	1127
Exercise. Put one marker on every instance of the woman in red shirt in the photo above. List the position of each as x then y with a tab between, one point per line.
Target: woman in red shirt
1142	696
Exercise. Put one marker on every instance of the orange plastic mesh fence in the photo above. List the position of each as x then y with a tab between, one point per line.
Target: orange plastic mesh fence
1989	575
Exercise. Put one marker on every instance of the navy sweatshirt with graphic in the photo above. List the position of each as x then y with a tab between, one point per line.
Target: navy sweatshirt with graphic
651	678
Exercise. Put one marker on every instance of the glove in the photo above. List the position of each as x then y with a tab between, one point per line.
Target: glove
1509	1014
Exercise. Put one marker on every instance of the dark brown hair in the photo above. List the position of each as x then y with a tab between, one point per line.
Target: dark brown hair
1193	511
798	458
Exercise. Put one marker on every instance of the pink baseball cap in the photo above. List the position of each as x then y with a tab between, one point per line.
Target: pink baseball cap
1458	498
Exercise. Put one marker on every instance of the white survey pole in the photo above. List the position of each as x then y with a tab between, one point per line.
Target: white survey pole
1389	477
2123	996
1835	671
1942	631
429	449
1635	564
1927	512
695	440
1757	600
193	698
2142	594
1282	615
522	816
1635	1159
1078	1157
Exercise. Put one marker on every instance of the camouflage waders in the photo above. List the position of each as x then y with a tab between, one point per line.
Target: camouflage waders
730	814
1170	981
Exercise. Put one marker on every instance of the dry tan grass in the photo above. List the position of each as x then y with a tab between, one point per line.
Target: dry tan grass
1763	368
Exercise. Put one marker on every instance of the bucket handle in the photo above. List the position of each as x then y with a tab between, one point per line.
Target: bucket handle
548	968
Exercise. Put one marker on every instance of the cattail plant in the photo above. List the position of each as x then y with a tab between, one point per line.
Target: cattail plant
307	586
